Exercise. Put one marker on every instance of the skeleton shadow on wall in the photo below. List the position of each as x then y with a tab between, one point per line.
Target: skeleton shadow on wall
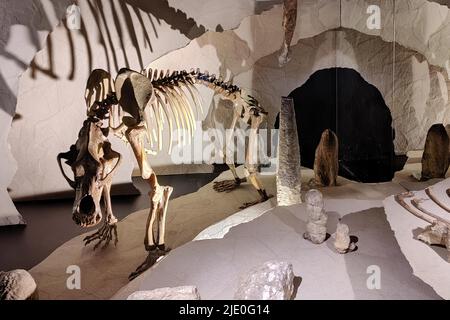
17	12
147	17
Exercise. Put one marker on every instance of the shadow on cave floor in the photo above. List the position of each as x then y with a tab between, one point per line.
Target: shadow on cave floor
377	246
49	222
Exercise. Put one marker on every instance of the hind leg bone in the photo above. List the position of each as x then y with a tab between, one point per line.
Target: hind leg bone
251	161
228	156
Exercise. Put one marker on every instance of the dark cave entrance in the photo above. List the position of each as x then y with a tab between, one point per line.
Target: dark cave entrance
341	100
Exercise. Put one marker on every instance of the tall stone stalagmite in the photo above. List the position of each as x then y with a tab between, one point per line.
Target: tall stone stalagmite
288	176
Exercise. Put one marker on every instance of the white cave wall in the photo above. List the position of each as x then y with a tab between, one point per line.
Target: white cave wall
420	25
24	26
420	84
420	96
52	110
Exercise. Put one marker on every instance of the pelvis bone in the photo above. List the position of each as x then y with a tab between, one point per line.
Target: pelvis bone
93	163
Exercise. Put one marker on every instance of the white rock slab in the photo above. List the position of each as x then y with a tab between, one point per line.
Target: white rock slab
220	229
177	293
9	214
273	280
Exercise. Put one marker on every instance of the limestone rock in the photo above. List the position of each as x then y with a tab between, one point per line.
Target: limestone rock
176	293
288	175
273	280
17	285
289	23
316	228
342	242
326	163
435	159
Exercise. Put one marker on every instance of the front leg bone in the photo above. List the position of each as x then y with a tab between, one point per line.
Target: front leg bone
104	235
162	214
109	230
159	197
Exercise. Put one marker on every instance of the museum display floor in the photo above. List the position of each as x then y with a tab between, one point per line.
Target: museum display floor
50	221
228	242
215	266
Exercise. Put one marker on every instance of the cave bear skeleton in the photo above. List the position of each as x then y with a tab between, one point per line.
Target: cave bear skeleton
136	107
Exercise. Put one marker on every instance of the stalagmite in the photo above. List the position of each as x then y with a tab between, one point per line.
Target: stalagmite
326	164
316	228
289	175
435	159
342	243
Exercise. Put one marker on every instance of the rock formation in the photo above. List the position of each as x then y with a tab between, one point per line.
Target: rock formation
274	280
326	164
342	242
17	285
288	175
435	159
289	23
316	228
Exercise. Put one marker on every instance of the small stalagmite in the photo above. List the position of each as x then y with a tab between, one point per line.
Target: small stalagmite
316	228
342	242
435	159
326	163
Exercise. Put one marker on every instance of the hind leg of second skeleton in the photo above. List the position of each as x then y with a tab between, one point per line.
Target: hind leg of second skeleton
250	161
228	156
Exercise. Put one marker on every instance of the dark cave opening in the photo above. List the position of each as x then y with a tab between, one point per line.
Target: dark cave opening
341	100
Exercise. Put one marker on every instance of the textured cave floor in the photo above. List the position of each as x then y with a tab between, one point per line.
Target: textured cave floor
49	222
